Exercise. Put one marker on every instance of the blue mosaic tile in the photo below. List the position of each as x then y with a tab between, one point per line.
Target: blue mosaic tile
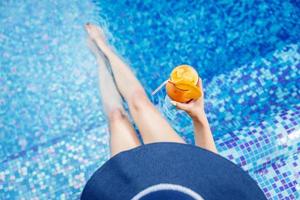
47	88
269	154
246	94
61	166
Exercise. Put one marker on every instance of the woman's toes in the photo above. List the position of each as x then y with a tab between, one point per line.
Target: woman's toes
88	28
94	31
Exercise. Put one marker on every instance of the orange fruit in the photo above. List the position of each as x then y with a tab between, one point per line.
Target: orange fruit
183	84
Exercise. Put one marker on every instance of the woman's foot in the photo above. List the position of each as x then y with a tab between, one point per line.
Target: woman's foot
94	49
95	33
110	95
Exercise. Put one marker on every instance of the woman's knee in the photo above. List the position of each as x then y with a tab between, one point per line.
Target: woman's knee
116	115
139	100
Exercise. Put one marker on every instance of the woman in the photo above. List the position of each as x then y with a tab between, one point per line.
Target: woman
164	168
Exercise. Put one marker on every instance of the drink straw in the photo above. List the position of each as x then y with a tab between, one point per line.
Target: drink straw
159	87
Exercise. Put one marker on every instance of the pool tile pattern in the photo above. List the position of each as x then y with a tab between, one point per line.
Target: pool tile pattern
257	91
53	134
48	78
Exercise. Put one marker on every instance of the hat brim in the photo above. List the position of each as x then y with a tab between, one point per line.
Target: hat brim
203	172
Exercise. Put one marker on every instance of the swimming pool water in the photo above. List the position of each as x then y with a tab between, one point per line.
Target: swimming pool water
53	134
213	36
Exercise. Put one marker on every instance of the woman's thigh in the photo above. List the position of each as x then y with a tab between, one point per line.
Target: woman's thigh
152	125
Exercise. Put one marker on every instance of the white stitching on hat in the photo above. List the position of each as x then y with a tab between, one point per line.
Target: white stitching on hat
167	186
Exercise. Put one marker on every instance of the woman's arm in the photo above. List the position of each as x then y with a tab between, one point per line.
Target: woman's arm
195	109
203	134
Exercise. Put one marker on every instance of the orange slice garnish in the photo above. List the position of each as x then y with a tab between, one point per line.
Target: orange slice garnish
183	84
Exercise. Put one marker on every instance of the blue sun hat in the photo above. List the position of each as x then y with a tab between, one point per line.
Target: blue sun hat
170	171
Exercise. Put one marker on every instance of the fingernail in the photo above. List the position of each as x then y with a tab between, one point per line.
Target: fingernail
173	102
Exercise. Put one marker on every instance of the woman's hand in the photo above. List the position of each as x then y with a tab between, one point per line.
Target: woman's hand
195	108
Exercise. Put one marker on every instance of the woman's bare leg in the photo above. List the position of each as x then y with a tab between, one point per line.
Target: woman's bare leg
152	125
122	134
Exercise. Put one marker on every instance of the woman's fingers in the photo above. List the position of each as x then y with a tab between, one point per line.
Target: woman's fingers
182	106
189	106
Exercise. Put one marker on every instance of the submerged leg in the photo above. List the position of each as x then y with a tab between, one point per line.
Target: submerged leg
152	125
122	134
